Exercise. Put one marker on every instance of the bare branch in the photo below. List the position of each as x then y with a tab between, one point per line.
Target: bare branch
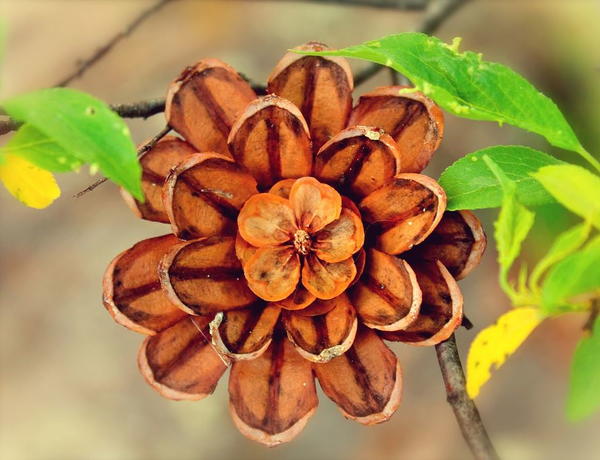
143	149
464	408
6	126
437	12
104	49
142	109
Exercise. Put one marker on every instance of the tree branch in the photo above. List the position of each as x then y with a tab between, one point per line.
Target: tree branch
104	49
437	12
464	408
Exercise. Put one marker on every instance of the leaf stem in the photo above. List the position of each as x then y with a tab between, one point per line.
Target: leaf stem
465	411
589	158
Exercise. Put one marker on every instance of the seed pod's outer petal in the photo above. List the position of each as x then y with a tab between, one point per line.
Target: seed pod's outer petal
365	382
321	86
358	160
327	280
180	362
156	164
132	292
341	238
282	188
273	272
271	140
403	213
203	195
315	204
204	101
320	338
441	311
458	242
205	277
272	397
297	300
412	119
387	297
266	220
245	333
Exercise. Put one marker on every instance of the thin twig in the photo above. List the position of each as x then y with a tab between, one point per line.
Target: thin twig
143	109
104	49
437	12
464	408
6	126
143	149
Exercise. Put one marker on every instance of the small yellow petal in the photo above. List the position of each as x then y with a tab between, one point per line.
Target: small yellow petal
29	184
497	342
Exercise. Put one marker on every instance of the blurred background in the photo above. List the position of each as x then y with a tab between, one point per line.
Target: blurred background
69	385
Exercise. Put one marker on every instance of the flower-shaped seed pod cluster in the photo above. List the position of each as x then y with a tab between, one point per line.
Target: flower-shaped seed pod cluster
303	236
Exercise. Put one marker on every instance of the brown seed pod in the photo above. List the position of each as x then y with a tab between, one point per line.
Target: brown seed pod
411	118
320	338
272	397
441	311
320	86
132	292
358	160
387	297
403	213
204	194
365	382
204	101
245	333
205	277
156	165
180	362
458	242
270	139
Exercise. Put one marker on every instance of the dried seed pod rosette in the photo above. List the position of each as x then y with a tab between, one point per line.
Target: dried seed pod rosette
303	237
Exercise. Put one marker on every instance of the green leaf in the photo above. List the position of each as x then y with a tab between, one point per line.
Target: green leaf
470	184
575	188
85	128
39	149
573	282
467	86
584	397
566	243
512	226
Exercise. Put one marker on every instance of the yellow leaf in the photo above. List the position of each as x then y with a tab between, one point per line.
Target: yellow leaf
497	342
29	184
